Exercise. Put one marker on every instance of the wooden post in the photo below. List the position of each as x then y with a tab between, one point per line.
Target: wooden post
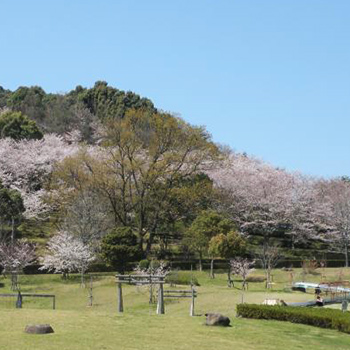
191	277
120	298
192	304
19	300
150	290
90	292
54	302
160	305
212	268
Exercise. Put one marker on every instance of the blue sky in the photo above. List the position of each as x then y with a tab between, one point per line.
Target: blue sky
271	78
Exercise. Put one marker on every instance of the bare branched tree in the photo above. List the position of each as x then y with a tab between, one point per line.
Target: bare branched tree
269	256
155	268
87	218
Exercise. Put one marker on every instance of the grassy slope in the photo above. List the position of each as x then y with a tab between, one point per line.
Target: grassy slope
100	327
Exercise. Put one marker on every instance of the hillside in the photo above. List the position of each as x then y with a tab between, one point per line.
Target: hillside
139	146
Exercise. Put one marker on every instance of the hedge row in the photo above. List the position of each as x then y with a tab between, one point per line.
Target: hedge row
319	317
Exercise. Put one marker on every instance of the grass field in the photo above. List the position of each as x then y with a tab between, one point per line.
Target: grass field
79	327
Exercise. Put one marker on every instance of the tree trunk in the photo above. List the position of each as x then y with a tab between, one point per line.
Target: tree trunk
200	263
151	299
13	231
268	278
141	245
346	256
229	280
152	232
160	305
149	243
212	269
120	298
244	284
14	280
82	279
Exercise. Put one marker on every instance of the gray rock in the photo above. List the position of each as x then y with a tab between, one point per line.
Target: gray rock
217	320
39	329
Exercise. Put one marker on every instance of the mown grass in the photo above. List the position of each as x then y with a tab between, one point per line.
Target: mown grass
79	327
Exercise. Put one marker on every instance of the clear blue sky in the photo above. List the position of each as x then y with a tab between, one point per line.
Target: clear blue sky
271	78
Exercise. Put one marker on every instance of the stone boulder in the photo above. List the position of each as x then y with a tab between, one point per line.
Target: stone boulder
217	320
39	329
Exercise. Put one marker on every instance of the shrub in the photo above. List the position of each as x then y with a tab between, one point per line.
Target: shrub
179	277
155	264
324	318
144	264
256	279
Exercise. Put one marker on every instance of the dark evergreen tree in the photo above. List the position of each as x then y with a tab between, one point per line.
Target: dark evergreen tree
120	247
18	126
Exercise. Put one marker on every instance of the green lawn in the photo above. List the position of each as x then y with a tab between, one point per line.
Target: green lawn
101	327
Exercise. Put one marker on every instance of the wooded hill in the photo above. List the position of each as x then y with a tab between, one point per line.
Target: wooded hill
60	113
120	162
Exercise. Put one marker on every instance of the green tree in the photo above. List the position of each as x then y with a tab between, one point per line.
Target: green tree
30	101
107	102
11	209
18	126
145	156
120	247
207	225
4	94
226	247
187	199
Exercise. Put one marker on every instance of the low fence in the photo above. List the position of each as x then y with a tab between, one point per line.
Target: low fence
178	294
18	298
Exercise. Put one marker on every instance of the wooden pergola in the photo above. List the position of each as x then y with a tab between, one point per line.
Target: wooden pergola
138	280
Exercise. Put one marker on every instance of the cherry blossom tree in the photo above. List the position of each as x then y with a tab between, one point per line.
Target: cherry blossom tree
67	254
85	127
156	268
14	257
25	165
336	198
256	193
242	267
265	200
305	210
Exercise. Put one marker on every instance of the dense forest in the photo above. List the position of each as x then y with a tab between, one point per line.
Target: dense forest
105	169
76	110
